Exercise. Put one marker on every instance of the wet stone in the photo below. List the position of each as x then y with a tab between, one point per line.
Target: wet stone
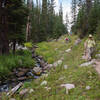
22	78
19	74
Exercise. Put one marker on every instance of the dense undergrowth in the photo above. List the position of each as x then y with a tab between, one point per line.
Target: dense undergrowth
80	76
20	59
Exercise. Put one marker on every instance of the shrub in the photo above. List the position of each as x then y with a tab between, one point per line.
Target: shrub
7	63
28	44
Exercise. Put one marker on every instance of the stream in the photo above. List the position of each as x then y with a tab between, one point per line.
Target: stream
25	74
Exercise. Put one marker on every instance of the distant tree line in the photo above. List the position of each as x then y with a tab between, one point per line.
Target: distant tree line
27	20
86	17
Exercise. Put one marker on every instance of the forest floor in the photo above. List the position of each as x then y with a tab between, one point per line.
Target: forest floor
85	79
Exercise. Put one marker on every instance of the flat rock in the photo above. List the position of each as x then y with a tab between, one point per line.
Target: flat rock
12	99
47	88
31	91
68	50
37	70
22	78
68	87
41	57
88	63
19	74
44	83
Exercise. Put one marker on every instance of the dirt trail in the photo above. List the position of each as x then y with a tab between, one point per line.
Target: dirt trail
97	66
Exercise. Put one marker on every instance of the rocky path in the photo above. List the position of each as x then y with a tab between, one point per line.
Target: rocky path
97	66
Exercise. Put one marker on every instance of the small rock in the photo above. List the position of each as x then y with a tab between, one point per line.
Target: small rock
47	88
12	99
88	87
65	66
68	50
23	92
36	77
23	69
68	87
40	57
61	78
44	75
37	70
31	91
51	65
59	62
19	74
88	63
22	78
44	83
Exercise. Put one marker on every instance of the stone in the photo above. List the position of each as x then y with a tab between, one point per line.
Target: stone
37	70
12	99
23	92
19	74
25	48
44	75
68	50
62	78
65	66
68	87
42	63
23	69
22	78
31	91
40	57
59	62
88	63
88	87
44	83
51	65
47	88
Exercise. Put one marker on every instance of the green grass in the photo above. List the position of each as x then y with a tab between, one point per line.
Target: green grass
21	59
80	76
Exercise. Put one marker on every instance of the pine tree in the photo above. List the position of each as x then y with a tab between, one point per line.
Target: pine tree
4	42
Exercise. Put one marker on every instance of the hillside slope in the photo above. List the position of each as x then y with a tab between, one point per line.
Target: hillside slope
68	71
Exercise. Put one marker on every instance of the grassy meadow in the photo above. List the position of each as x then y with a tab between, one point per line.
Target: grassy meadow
74	74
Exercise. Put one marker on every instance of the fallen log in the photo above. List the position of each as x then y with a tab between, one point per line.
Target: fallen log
15	89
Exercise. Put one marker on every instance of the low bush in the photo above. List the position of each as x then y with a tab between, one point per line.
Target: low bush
7	63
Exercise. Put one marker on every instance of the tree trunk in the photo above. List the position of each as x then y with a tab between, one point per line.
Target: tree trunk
14	47
28	27
4	42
